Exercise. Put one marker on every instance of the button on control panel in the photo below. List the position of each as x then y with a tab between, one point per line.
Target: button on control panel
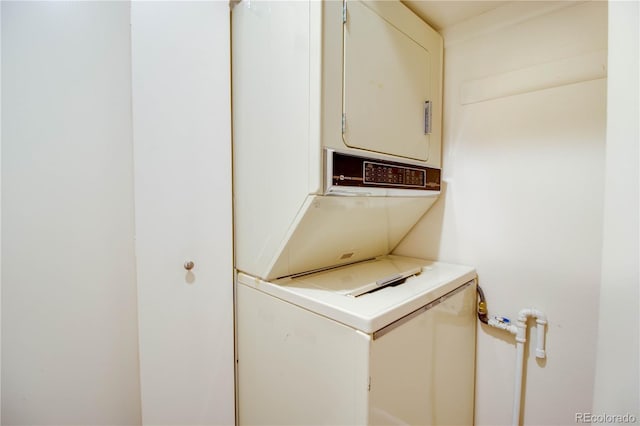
379	173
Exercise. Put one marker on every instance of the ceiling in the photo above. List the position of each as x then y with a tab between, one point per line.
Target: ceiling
445	13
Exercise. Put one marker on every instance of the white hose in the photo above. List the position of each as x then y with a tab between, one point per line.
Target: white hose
521	339
540	330
517	390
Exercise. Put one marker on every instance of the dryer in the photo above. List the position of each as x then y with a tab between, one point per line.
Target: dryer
315	83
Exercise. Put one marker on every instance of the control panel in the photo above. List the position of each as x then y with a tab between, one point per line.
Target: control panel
354	171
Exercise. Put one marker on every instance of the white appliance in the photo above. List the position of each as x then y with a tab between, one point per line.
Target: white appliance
336	128
314	349
311	80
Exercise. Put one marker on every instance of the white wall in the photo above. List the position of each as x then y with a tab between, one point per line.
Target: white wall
524	133
0	215
617	381
69	336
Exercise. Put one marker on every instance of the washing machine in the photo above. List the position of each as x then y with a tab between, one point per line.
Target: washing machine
388	341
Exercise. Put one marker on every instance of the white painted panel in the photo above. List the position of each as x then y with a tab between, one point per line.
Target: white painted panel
441	14
423	371
0	216
335	230
274	154
296	367
590	66
386	83
181	110
617	384
69	335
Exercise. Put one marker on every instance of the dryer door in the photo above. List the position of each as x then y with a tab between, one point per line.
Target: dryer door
388	73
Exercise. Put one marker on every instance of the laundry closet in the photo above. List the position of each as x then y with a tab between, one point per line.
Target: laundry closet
337	112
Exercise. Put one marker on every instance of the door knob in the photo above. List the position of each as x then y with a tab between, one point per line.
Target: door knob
188	265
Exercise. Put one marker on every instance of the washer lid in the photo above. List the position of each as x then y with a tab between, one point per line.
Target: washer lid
361	278
338	293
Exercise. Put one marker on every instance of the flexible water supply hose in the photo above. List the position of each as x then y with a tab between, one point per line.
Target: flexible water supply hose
482	306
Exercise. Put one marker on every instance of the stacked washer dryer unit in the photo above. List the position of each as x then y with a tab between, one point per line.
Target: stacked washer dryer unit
336	127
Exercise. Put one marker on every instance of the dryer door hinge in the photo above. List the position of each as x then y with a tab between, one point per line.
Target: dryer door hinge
344	122
344	11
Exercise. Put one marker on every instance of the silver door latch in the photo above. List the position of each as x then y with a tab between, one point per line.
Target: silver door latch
427	117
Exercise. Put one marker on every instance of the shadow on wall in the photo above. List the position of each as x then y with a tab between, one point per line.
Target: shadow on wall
414	244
